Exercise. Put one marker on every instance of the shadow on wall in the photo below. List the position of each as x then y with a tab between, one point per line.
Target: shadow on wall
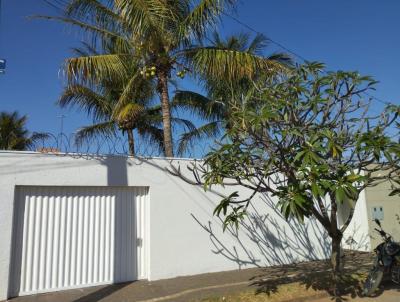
349	239
273	240
117	170
117	176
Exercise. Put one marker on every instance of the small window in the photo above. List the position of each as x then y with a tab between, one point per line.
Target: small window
377	213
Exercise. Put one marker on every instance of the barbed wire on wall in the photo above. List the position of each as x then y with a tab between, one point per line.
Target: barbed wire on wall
67	145
63	144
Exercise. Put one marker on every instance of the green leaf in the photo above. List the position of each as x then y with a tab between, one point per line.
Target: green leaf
316	190
224	203
339	194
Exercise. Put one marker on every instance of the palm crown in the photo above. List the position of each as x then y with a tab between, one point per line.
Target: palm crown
111	111
164	37
13	132
221	96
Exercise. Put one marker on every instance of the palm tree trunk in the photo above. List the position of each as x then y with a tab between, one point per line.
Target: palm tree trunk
166	113
131	142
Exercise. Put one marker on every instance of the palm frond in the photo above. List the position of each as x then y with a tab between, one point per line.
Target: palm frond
13	132
93	29
138	89
205	14
198	104
206	131
128	115
152	135
238	42
87	99
258	44
106	130
283	58
85	50
156	120
188	125
230	64
35	138
144	16
95	12
126	96
96	67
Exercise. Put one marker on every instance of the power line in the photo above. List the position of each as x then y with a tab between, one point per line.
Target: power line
280	45
268	38
58	5
377	99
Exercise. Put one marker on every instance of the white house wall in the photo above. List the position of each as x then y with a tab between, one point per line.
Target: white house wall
356	236
184	237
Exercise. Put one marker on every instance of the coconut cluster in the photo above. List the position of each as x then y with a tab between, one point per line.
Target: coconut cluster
148	72
181	73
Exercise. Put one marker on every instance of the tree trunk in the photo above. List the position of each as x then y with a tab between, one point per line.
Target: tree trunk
336	236
131	142
336	263
336	254
166	113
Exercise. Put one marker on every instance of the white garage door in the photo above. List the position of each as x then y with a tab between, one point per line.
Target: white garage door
68	237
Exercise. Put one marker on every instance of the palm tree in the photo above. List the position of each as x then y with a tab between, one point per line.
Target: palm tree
215	107
101	106
102	101
13	132
165	37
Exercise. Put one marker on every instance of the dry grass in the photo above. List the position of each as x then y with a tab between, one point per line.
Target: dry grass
284	293
310	286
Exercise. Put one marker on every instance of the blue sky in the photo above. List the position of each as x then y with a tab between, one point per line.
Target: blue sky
358	35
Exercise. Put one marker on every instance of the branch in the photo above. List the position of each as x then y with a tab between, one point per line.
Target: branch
324	221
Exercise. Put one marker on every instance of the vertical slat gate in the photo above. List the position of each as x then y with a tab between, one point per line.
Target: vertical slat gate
70	237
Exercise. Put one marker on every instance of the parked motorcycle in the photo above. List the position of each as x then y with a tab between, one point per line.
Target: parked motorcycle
386	263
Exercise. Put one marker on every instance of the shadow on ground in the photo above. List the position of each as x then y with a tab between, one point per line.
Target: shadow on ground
102	293
316	275
286	251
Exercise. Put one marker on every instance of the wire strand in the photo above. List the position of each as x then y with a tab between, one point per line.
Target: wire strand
295	54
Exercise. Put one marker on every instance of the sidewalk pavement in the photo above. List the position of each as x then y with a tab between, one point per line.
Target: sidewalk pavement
189	288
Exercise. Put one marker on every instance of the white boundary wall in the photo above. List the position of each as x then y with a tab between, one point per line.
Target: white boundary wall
357	234
185	238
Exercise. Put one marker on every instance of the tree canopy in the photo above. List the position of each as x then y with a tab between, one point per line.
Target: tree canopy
13	132
311	141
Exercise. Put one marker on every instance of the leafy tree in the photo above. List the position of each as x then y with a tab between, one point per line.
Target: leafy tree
13	132
113	107
311	142
166	38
